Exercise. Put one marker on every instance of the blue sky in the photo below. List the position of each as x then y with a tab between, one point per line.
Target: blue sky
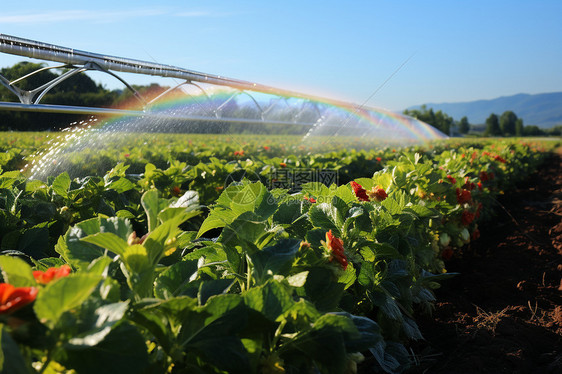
425	51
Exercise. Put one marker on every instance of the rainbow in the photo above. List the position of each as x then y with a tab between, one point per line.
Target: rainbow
323	117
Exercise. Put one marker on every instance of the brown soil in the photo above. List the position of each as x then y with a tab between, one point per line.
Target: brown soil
503	313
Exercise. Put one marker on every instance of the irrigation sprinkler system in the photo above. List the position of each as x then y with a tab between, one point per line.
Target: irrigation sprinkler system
77	61
310	111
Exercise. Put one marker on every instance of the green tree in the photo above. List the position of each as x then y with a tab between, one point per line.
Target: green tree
519	128
439	120
533	131
508	123
492	126
464	126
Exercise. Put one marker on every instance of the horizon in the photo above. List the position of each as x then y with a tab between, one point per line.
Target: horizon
373	53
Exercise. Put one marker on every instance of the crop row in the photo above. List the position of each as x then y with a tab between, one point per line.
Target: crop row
170	269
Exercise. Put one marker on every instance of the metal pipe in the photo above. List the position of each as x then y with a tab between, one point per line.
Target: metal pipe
49	108
44	51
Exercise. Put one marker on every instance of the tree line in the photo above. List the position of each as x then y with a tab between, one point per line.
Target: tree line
507	124
81	90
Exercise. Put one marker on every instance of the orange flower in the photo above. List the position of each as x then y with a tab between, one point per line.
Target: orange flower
335	246
239	153
359	191
283	165
44	277
377	193
12	298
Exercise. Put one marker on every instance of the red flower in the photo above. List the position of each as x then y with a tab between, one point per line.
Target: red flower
266	147
475	234
377	193
379	159
239	153
176	191
468	185
467	217
483	176
463	196
478	210
127	155
479	186
359	191
310	199
335	246
283	165
500	159
44	277
451	179
12	298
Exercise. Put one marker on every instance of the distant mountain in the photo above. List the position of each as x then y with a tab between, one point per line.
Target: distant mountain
543	110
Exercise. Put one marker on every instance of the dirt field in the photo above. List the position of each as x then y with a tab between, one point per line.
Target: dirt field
503	313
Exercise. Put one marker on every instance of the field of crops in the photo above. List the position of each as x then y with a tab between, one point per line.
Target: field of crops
229	254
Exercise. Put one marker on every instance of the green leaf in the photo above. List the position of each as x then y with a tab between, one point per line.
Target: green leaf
121	185
324	343
49	262
189	200
216	325
124	214
152	206
387	304
324	216
174	281
136	258
212	287
219	217
366	183
16	272
79	253
369	334
297	280
155	242
271	299
61	185
123	350
11	359
322	289
276	259
349	276
106	316
170	213
63	295
108	241
34	242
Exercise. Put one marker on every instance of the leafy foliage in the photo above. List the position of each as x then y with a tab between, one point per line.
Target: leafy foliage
176	271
